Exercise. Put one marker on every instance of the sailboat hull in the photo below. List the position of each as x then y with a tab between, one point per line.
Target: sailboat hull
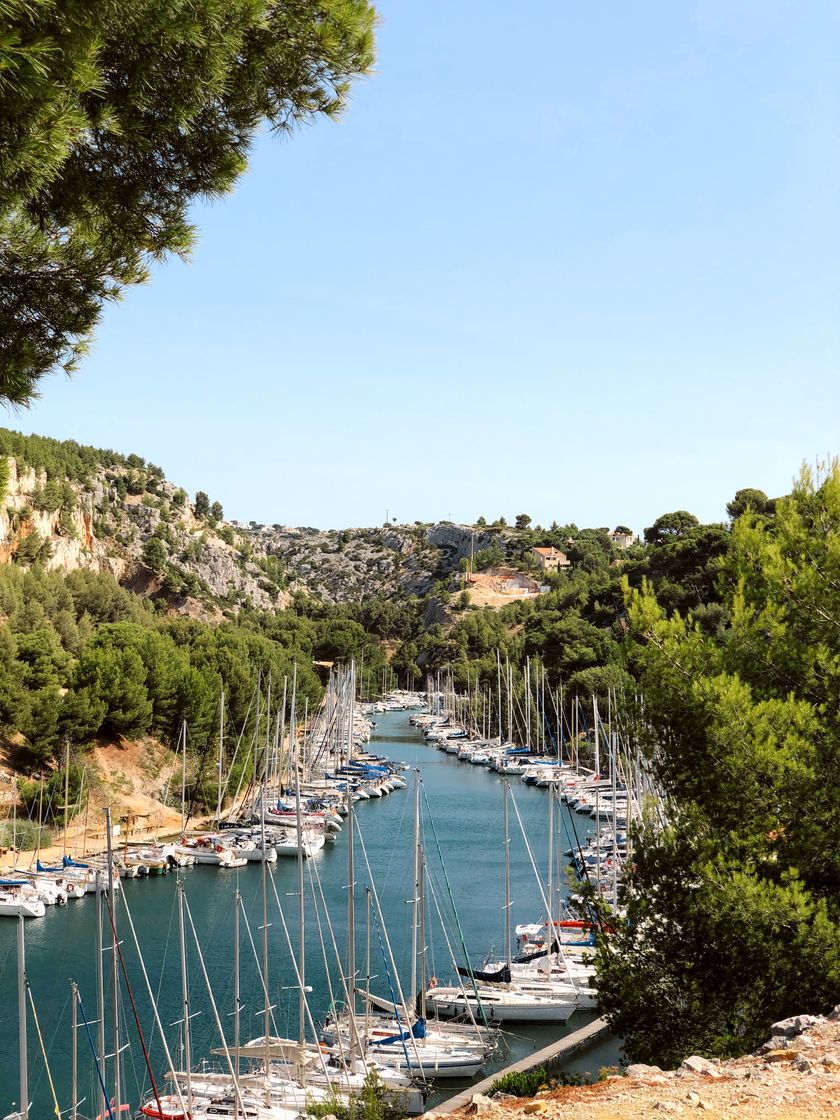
500	1006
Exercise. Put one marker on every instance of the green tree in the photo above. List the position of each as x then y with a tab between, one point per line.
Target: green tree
155	554
33	549
216	512
117	678
202	504
670	525
756	500
733	909
523	521
115	118
486	558
83	711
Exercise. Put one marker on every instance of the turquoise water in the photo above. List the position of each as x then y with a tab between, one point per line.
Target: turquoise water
465	804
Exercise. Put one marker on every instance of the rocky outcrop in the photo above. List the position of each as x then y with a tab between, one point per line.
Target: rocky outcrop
354	564
102	527
126	519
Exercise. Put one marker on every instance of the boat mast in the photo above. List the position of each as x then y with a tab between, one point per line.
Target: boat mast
507	878
100	978
351	891
185	993
66	794
415	917
256	742
550	915
74	1051
499	694
367	963
115	964
528	706
597	788
421	925
221	754
300	852
237	1002
510	701
184	777
284	768
267	1008
24	1072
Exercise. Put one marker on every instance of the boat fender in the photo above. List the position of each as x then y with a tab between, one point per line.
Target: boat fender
219	848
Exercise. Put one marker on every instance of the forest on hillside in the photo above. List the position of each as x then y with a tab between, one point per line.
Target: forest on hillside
83	659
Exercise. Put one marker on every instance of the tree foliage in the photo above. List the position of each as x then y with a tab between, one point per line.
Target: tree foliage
749	498
115	117
670	526
733	916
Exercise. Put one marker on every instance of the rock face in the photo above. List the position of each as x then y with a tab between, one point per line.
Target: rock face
353	564
102	527
126	519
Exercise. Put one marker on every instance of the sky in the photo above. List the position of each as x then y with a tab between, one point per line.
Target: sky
580	261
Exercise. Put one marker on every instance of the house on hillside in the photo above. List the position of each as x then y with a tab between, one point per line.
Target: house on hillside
551	559
622	540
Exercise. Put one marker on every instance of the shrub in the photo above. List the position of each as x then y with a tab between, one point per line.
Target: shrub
529	1082
24	835
371	1104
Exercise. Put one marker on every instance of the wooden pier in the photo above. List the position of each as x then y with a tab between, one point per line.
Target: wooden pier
549	1058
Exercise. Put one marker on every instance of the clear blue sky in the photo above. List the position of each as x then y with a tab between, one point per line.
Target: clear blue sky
575	260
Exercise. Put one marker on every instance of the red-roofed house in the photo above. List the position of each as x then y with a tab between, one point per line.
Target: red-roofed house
551	559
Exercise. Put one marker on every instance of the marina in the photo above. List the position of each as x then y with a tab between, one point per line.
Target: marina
463	824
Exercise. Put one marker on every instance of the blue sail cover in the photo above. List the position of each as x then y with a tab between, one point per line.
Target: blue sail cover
417	1031
40	867
68	862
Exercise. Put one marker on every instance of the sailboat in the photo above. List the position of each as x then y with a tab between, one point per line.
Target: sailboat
422	1048
497	994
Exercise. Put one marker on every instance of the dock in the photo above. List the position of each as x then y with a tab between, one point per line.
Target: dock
549	1058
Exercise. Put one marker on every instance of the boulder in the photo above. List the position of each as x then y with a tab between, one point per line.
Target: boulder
639	1070
696	1064
795	1025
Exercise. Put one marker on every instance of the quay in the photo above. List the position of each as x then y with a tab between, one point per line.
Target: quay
549	1058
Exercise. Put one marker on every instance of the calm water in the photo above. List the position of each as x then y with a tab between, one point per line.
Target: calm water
465	805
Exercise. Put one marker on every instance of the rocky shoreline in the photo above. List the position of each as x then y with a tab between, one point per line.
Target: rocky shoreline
795	1073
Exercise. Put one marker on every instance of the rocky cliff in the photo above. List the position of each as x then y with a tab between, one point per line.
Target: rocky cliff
350	564
122	516
135	525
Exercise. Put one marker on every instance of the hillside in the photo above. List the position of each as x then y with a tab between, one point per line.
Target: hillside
74	507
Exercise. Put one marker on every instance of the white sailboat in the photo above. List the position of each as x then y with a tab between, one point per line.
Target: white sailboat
525	999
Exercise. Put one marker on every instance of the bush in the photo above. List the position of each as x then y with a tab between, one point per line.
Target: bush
24	835
529	1082
373	1103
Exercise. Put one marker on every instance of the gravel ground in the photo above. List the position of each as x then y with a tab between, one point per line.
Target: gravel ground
795	1073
